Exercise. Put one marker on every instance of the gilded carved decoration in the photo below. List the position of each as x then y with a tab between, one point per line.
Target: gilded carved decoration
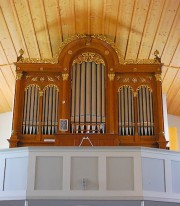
41	93
137	79
125	85
141	61
111	76
37	60
89	57
19	75
65	77
109	41
43	78
32	85
150	89
158	77
135	94
51	85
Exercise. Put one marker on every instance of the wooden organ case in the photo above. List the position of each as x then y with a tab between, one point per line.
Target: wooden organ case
88	95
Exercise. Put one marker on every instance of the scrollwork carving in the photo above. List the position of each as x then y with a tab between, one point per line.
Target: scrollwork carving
89	57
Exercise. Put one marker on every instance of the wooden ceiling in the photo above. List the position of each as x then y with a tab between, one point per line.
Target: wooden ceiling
138	28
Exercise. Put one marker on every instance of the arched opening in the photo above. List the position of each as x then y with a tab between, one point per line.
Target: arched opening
88	95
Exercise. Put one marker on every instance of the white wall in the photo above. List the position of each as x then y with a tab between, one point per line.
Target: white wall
174	121
5	129
166	131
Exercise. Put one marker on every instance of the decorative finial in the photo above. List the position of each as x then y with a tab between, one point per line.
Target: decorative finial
157	57
21	52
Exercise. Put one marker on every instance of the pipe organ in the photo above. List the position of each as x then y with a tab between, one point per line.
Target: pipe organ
88	95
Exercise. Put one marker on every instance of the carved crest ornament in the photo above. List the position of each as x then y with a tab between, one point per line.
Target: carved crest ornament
88	38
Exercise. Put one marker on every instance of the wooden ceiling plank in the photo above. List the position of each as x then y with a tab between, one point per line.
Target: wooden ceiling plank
25	20
138	22
168	79
13	69
59	21
89	17
103	17
36	11
47	28
124	24
175	86
9	78
144	28
176	57
172	56
6	40
53	24
164	70
164	27
12	24
174	107
81	10
74	14
67	17
6	90
3	59
151	26
96	14
110	20
19	32
4	106
172	40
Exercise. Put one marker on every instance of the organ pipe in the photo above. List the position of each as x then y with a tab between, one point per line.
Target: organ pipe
31	110
50	110
88	98
145	111
126	110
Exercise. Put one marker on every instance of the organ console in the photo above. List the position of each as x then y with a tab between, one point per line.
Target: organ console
88	92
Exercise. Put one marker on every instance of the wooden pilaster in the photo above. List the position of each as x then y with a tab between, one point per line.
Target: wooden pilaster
161	140
16	112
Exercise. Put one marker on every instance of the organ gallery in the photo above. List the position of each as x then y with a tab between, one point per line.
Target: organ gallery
88	95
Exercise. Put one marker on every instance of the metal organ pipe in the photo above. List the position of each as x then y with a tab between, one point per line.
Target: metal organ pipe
145	111
50	110
88	99
31	110
126	111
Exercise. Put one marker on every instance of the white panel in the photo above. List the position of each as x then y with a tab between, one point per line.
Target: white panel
153	174
120	173
49	173
16	174
84	173
175	166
